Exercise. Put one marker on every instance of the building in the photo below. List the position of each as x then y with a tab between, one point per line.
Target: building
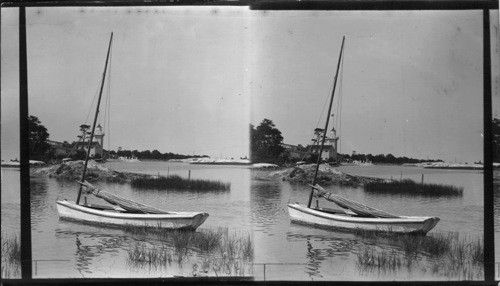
96	148
294	152
329	150
59	148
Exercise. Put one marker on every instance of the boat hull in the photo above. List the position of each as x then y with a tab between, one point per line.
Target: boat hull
174	220
418	225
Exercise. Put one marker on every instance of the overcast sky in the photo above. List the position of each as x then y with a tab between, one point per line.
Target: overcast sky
412	82
177	75
189	80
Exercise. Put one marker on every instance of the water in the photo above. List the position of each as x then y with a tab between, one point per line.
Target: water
66	249
496	211
297	252
253	206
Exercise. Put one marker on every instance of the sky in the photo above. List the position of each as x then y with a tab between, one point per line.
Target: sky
177	76
190	79
411	81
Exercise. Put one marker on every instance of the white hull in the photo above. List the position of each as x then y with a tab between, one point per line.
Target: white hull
173	220
409	224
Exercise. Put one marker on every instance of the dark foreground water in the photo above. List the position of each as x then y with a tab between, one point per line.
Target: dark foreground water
255	206
292	251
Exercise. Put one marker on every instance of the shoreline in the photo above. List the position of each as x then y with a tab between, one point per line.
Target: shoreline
327	175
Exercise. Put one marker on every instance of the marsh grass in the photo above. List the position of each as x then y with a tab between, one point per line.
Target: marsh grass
449	253
222	252
11	256
176	182
369	259
410	187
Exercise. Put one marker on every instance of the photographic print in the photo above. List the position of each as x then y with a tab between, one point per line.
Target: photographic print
138	141
399	183
239	143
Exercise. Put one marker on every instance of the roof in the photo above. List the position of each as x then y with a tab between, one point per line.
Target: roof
85	144
316	148
52	142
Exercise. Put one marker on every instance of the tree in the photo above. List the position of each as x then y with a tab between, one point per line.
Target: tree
318	132
84	129
38	136
266	142
155	154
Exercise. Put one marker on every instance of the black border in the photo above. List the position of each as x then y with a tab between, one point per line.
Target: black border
489	231
485	5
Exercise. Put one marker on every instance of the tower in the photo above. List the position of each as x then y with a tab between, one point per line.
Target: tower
332	140
99	137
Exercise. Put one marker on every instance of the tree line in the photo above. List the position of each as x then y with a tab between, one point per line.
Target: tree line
40	149
383	159
267	147
148	155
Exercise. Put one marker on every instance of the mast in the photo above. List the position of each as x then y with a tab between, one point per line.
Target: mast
326	125
95	121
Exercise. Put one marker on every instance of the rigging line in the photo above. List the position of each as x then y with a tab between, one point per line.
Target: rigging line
93	100
324	106
103	119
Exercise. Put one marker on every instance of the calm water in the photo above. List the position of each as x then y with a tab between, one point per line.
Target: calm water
255	206
496	206
67	249
293	251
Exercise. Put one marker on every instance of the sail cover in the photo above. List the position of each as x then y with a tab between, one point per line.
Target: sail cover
358	208
126	204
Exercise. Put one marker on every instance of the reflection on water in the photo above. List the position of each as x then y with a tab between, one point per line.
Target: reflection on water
67	249
300	252
291	251
496	211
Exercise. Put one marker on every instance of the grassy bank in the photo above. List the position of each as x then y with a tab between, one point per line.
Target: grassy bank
176	182
412	188
11	256
216	252
449	254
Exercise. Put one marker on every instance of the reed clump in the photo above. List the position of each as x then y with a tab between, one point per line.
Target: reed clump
451	254
369	259
221	252
11	256
177	182
410	187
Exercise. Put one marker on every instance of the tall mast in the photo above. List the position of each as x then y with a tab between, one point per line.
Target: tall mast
326	125
95	120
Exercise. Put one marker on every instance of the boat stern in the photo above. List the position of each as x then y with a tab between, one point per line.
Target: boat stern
198	220
429	224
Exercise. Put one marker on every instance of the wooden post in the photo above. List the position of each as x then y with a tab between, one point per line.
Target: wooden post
422	179
168	171
25	210
317	204
401	178
189	175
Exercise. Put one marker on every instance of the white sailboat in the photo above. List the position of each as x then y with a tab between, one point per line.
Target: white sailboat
357	215
124	211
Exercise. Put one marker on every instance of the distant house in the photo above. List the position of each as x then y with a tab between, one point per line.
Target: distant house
59	148
294	152
96	148
303	153
329	152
